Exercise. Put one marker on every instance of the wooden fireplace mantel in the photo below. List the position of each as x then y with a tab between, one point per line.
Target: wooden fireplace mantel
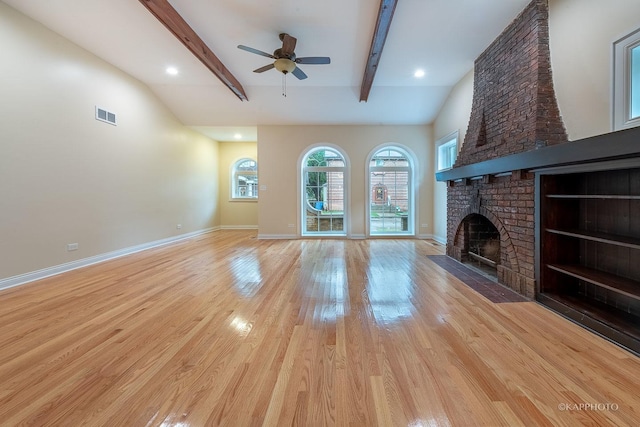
615	145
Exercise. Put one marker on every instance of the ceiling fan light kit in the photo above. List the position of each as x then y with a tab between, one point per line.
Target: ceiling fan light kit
284	65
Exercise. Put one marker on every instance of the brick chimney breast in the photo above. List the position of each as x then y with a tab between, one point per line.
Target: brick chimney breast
514	110
514	103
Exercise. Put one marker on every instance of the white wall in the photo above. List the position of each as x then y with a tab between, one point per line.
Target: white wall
281	147
67	178
581	37
453	116
236	213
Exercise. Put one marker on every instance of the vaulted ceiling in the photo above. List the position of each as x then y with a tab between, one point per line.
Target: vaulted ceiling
441	37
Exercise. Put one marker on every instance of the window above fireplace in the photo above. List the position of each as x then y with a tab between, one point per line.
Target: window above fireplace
447	151
626	97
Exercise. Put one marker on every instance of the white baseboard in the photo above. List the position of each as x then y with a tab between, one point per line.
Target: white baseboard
238	227
73	265
277	236
351	236
439	239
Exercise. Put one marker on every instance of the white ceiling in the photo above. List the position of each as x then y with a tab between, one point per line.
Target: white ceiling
443	37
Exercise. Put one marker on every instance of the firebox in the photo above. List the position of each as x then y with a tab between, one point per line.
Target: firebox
481	244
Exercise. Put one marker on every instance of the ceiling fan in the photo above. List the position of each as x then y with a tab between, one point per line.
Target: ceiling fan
285	58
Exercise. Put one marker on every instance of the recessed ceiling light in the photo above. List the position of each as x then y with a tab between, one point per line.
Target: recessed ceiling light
419	73
172	71
237	136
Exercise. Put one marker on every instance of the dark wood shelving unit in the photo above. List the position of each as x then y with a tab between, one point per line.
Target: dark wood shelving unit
588	246
599	278
593	196
612	239
622	329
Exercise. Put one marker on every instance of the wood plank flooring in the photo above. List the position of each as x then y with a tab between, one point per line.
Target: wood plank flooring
225	329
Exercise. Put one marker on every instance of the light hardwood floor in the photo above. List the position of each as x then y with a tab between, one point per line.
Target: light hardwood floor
225	329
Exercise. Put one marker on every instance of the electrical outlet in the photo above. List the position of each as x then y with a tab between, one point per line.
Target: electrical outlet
178	226
291	225
72	247
424	226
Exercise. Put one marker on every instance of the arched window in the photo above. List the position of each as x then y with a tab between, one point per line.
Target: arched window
244	179
391	203
323	192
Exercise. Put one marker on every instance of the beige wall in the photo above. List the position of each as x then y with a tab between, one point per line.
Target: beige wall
454	116
67	178
236	213
279	153
581	37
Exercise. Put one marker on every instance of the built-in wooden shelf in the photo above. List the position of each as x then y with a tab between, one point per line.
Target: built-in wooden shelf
588	229
598	312
612	239
594	196
618	284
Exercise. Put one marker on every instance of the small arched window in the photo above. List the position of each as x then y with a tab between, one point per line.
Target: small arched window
244	179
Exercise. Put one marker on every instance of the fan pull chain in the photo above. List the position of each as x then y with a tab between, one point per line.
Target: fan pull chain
284	85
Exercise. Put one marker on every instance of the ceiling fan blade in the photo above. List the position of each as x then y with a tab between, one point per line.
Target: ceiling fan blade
263	69
256	51
288	44
314	60
299	74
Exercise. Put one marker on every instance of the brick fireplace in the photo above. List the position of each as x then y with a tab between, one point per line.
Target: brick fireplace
514	110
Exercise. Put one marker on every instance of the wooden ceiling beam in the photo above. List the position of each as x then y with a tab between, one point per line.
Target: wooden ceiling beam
385	15
171	19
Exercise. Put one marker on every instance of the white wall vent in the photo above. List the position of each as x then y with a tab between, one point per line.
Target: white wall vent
105	116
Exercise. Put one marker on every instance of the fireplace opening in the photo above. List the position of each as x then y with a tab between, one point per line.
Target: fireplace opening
482	248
